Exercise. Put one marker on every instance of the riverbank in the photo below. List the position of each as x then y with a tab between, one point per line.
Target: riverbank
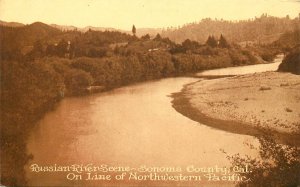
45	81
245	104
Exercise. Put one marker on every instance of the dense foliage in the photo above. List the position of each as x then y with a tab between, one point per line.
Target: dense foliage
287	41
28	90
30	39
291	63
263	29
277	165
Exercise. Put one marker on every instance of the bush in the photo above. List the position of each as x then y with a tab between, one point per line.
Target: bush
291	62
77	81
277	165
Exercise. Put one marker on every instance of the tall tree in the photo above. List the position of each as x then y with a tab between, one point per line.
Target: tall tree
211	41
223	42
157	37
188	44
62	48
37	50
133	30
146	37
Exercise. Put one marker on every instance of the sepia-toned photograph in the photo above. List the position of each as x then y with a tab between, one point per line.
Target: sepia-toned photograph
156	93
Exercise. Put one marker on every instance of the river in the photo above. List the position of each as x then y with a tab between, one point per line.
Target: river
239	70
130	126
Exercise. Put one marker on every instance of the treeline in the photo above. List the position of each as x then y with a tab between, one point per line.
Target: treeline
39	39
288	40
28	90
263	29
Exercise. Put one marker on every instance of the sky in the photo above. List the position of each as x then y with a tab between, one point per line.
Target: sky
122	14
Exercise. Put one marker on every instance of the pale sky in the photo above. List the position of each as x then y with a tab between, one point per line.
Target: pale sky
121	14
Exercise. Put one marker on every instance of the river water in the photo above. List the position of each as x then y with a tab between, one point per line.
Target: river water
131	126
239	70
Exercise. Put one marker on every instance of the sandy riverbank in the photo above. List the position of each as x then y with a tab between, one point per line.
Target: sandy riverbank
245	104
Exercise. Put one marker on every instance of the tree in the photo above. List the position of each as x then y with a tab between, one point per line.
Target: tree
133	30
277	164
51	50
37	50
211	41
38	46
287	17
223	42
291	62
188	44
62	48
77	80
146	37
157	37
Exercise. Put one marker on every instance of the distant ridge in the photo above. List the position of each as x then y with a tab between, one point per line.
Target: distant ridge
60	27
11	24
140	31
263	29
63	27
26	35
84	29
143	31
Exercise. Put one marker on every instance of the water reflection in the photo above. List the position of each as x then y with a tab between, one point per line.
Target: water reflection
134	125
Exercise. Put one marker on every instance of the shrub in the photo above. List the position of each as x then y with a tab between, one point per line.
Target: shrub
77	81
291	62
277	165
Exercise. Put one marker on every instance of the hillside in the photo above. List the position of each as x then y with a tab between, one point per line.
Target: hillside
289	39
22	40
26	35
139	31
264	29
11	24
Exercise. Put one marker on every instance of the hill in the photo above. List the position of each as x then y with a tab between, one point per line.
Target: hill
139	31
28	34
64	27
264	29
18	41
11	24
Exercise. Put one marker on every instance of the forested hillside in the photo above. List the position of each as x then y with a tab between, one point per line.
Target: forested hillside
264	29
